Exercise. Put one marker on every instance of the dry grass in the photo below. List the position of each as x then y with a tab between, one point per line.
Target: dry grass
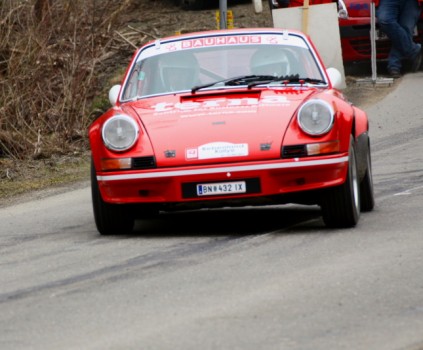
49	73
22	177
56	58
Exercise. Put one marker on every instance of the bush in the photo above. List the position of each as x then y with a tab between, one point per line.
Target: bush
54	58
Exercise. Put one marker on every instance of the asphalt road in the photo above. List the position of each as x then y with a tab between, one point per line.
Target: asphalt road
268	278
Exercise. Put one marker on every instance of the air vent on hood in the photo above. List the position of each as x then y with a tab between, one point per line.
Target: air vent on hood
200	95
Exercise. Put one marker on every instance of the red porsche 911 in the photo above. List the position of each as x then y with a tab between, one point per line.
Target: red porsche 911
225	118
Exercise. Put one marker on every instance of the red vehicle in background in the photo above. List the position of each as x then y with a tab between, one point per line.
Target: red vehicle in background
354	26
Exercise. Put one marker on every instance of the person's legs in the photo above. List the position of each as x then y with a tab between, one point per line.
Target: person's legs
387	15
397	19
408	19
409	15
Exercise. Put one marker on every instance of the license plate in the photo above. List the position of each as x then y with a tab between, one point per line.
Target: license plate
221	188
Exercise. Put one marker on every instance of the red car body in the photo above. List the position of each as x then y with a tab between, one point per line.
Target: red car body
354	26
241	135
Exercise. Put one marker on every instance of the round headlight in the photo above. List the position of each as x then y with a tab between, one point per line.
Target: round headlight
120	133
315	117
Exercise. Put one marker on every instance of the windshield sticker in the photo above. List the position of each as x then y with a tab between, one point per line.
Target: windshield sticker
217	150
221	40
227	40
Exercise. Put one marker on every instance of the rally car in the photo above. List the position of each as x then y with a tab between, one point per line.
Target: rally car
354	26
236	117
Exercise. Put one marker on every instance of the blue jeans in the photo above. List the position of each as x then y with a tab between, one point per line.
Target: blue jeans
397	19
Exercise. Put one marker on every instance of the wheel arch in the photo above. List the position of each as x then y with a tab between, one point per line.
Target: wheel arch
360	132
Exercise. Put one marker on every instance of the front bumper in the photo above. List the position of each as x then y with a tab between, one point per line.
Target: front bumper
264	179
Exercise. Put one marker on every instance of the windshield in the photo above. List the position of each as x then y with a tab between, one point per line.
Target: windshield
212	67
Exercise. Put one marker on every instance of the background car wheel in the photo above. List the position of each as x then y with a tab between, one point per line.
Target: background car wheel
341	204
275	4
192	4
367	200
110	219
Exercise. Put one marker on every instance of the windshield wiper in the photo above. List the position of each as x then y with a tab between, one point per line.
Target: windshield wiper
288	79
235	81
307	80
254	80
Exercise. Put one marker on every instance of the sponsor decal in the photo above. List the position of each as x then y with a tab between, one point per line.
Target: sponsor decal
221	40
192	153
208	41
219	104
217	150
358	6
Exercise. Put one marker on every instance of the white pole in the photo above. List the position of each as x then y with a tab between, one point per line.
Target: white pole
258	6
373	40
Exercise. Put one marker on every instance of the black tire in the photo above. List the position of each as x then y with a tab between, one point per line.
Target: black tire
110	219
367	199
192	4
271	6
280	4
341	204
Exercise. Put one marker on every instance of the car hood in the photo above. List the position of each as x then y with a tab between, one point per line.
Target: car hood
216	128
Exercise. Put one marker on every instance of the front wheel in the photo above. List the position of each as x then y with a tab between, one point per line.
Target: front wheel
110	219
341	204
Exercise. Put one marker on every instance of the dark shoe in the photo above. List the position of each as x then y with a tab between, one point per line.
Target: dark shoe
394	73
416	60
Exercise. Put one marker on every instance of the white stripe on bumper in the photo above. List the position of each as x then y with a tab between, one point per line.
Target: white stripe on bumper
203	171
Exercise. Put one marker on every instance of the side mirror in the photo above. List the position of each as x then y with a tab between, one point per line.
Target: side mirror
335	78
114	94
